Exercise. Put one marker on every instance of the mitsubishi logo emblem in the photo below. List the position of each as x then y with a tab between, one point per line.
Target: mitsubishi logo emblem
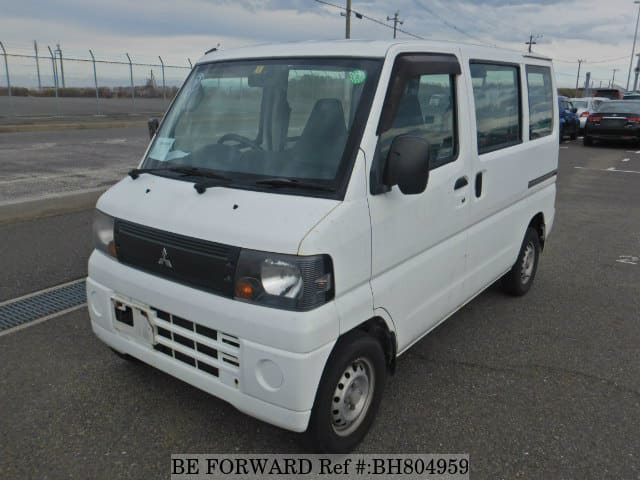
163	260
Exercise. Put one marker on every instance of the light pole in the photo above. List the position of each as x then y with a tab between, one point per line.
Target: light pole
633	49
578	76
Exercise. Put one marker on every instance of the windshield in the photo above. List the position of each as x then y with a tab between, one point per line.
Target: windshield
263	119
621	106
579	103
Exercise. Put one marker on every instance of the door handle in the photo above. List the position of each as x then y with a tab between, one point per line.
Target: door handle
461	182
478	184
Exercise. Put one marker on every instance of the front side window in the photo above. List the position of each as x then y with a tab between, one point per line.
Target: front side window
496	92
540	92
427	109
257	120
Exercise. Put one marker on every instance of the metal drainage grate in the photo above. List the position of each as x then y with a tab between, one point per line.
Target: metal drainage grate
42	304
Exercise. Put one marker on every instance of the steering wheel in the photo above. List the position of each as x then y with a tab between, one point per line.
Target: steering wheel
234	137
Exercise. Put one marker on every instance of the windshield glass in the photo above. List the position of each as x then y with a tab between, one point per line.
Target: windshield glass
579	103
621	106
262	119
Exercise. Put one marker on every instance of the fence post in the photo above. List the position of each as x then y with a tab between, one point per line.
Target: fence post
95	81
35	47
55	78
164	89
59	50
6	68
133	94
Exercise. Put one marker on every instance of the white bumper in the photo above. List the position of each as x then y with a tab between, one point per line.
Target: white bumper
275	367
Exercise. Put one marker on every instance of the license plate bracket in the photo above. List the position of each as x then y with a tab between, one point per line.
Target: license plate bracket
134	319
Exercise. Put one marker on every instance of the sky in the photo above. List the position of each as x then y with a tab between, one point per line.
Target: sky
600	32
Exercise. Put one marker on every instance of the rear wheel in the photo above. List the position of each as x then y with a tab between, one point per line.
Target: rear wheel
348	395
574	135
519	279
587	141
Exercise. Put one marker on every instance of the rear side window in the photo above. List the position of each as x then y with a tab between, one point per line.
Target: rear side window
541	101
496	92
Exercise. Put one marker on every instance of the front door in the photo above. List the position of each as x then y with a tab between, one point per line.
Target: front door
419	241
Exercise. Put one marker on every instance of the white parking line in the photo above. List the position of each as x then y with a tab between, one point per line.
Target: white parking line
610	169
628	259
626	159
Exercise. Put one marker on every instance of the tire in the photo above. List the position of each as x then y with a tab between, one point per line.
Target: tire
357	363
574	135
519	279
587	141
561	136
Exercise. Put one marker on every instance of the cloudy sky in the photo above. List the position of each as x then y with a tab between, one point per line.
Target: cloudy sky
601	32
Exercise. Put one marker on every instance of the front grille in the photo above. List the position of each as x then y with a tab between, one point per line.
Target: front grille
191	261
201	347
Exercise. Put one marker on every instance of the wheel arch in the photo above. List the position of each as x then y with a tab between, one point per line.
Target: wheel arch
539	225
378	328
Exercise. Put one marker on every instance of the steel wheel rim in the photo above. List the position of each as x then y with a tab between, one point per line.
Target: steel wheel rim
352	397
528	262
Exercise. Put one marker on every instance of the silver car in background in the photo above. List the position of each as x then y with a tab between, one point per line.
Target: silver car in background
587	106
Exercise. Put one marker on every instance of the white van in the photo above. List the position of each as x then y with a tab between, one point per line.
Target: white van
306	212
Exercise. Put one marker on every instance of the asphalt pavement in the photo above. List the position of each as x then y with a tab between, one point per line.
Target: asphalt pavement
544	386
36	164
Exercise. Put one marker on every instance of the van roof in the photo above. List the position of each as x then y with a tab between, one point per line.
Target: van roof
362	48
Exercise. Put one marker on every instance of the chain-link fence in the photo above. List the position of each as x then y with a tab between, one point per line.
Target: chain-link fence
47	82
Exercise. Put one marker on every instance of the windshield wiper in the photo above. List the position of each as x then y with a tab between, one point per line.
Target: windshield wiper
215	179
184	170
291	183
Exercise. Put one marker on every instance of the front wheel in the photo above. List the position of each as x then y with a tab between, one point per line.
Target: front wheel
519	279
348	395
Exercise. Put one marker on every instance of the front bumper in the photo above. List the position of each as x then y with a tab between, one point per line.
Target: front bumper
253	372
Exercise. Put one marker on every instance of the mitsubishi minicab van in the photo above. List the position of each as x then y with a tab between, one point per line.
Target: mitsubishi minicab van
306	212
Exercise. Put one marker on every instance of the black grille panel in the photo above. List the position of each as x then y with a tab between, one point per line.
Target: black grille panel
198	263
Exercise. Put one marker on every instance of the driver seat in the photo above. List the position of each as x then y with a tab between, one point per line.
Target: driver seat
318	151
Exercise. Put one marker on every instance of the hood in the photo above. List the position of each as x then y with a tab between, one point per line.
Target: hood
257	220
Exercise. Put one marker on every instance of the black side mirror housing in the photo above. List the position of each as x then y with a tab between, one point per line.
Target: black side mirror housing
408	164
153	124
574	110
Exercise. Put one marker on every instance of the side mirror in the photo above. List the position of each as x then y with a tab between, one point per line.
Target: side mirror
574	110
408	164
153	124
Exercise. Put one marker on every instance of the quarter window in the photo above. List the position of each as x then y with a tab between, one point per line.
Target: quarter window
496	92
540	101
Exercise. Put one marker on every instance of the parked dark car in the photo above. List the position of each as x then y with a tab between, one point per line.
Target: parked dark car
610	93
569	120
614	121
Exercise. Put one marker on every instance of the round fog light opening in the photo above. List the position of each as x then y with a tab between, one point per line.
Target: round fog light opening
269	375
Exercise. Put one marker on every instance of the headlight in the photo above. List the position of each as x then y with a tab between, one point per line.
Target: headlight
292	282
103	233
